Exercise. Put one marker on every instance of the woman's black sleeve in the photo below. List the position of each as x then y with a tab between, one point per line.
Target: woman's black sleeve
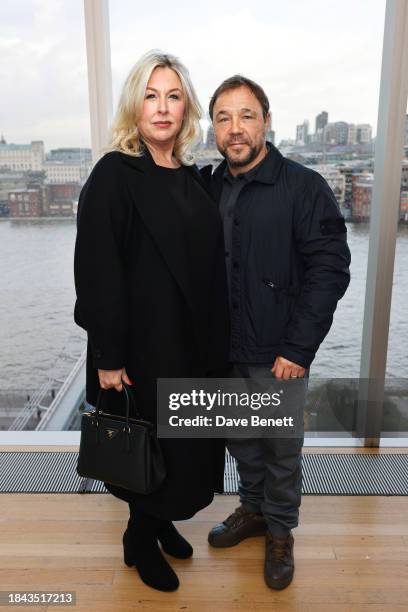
101	306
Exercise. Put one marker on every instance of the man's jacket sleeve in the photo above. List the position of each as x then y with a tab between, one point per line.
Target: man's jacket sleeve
321	238
98	269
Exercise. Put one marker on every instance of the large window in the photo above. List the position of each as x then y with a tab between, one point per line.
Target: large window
44	160
319	63
309	57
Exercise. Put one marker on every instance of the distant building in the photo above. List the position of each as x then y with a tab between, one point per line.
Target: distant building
74	155
270	136
347	172
68	165
364	133
207	153
30	201
26	203
61	165
32	185
38	199
4	209
362	193
210	142
351	134
340	133
404	206
404	191
322	120
199	144
10	180
404	175
335	179
406	130
287	143
302	133
62	199
22	156
329	134
65	172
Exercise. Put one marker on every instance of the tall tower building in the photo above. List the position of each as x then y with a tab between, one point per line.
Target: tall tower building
322	120
364	133
302	133
210	143
270	134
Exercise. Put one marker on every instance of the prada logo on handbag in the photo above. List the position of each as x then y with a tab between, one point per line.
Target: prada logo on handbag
111	432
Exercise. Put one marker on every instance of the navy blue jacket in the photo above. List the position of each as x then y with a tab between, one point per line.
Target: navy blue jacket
290	262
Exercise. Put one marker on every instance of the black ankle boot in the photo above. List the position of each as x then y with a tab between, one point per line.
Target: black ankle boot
173	542
141	549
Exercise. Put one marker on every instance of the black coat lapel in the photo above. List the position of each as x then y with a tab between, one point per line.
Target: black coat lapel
158	217
198	176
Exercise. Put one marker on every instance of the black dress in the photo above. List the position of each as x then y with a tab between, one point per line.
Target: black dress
193	465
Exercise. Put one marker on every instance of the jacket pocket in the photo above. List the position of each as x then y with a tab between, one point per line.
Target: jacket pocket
290	291
276	308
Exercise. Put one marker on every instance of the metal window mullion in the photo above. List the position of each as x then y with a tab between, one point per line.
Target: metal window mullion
384	219
99	72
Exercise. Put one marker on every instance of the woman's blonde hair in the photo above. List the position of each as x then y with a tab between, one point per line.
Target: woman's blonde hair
124	133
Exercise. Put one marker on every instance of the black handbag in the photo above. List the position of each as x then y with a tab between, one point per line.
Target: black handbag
120	450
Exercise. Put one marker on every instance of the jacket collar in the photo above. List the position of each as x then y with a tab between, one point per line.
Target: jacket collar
268	172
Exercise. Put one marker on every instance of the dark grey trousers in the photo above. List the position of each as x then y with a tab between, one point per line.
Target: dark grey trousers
270	469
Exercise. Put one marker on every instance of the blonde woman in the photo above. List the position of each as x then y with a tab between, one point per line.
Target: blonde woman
151	293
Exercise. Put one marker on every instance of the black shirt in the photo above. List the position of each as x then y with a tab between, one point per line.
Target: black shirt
231	189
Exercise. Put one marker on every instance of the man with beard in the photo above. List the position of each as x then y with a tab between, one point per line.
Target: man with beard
288	265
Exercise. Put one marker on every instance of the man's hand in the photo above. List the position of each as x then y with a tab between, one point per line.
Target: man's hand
109	379
283	368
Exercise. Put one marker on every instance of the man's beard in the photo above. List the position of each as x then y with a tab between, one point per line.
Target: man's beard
242	161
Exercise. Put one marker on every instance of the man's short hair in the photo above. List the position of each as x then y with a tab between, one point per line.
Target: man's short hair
240	81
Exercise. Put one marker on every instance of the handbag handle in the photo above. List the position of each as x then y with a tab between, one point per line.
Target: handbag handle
129	399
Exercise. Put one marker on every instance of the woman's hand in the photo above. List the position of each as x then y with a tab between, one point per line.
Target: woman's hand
109	379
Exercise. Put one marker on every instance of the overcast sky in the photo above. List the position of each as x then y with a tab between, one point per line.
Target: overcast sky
309	56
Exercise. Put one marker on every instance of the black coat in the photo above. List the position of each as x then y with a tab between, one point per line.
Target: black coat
145	310
290	261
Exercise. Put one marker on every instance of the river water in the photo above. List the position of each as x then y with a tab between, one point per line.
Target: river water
38	296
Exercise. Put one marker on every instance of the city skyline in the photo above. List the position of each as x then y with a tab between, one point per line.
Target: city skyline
205	124
44	43
36	184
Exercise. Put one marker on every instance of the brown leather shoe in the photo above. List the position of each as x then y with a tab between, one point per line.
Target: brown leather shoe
279	562
239	525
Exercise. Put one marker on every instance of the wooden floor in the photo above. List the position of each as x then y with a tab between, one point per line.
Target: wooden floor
351	554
